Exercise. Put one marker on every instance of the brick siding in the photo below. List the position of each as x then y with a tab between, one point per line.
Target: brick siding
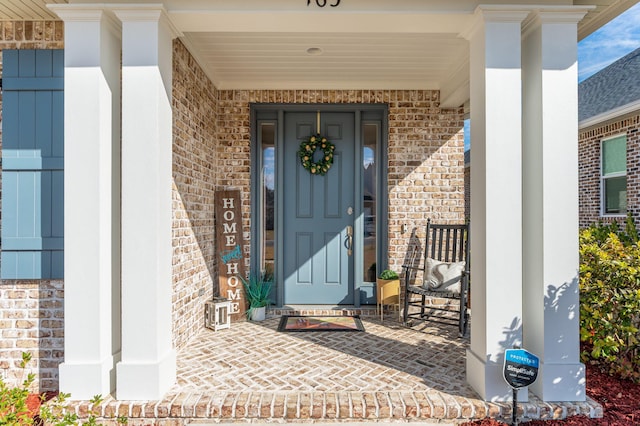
194	176
31	312
589	159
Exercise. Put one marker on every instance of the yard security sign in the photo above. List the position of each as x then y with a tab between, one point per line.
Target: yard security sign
520	368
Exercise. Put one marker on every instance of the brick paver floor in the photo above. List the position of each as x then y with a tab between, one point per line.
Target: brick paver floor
253	373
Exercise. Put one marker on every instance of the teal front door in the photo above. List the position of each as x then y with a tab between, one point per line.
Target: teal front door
319	213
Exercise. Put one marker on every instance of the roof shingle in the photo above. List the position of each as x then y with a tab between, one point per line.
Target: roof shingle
610	88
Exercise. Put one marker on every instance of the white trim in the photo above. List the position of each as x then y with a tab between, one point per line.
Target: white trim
560	15
145	13
612	114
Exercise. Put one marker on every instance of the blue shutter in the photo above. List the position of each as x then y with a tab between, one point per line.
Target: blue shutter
32	164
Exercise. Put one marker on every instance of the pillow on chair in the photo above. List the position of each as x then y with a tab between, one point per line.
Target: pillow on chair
443	276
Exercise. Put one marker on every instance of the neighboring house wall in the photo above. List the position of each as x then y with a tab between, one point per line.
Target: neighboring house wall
31	312
590	145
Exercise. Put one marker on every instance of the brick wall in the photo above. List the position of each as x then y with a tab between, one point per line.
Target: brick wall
589	177
194	175
426	158
32	321
31	312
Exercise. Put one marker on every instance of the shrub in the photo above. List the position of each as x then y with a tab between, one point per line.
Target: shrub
13	400
15	410
610	298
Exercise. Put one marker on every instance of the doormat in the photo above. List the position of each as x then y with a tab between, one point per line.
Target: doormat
320	323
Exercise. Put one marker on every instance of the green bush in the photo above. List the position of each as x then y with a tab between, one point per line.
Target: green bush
14	409
610	298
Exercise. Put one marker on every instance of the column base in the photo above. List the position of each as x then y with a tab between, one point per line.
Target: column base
560	382
146	381
487	378
83	381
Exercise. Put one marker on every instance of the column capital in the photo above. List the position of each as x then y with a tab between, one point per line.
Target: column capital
74	12
146	13
70	13
495	14
555	15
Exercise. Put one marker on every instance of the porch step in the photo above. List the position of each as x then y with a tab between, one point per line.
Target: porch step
363	423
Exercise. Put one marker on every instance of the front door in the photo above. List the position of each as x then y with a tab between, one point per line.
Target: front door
319	212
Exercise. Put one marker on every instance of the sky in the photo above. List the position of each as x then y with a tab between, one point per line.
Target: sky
609	43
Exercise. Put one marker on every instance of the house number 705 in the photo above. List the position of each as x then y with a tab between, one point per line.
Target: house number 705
323	3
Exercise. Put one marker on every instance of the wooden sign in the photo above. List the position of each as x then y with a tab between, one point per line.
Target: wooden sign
229	245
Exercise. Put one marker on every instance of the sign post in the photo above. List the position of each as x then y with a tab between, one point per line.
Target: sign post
520	370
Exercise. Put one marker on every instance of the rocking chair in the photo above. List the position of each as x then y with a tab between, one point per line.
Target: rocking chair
441	292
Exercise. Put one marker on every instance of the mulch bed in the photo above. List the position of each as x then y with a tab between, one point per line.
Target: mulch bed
620	401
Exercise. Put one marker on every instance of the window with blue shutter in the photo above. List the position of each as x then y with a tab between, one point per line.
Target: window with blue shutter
32	164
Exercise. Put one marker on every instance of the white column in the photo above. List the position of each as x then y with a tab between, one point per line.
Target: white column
550	220
496	199
148	365
92	202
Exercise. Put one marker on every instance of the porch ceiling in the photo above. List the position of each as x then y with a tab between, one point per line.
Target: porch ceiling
364	44
347	60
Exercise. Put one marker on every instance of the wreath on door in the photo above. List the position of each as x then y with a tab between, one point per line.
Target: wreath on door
307	152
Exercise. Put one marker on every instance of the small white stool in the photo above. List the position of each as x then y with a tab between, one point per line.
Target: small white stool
217	313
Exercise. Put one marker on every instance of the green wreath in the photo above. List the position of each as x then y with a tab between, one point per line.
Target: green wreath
308	149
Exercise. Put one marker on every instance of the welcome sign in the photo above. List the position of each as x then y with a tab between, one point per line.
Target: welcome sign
229	244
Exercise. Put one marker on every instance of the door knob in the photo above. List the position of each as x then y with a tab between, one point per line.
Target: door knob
348	243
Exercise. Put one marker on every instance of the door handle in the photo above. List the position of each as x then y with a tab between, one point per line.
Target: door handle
348	243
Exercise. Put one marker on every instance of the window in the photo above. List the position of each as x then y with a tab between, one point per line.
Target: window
370	203
614	176
266	138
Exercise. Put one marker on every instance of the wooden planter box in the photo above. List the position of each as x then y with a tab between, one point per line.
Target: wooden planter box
387	294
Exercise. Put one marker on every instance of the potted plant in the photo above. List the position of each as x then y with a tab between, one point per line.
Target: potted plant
257	290
387	290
